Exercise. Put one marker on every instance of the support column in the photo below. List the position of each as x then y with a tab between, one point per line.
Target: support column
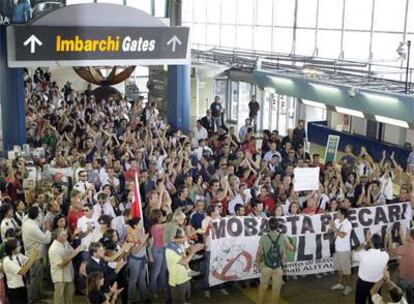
11	99
178	97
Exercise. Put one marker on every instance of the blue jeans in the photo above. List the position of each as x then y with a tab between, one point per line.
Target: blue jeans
158	270
408	288
216	123
137	285
206	270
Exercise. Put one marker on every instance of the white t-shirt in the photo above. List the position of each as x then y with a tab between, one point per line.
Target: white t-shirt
11	267
205	225
7	223
372	263
387	187
236	200
82	225
57	254
343	244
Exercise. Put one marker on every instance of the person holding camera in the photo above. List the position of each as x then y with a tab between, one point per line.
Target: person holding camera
269	259
342	229
372	263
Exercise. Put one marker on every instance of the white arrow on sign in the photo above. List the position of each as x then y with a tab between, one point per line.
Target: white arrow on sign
174	40
33	40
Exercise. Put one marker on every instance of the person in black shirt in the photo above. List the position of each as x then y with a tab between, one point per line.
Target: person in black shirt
181	201
254	108
96	294
207	122
299	134
97	263
216	113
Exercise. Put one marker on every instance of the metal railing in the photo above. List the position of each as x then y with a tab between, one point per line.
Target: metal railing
358	74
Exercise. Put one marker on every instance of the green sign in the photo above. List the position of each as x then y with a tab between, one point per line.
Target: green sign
331	148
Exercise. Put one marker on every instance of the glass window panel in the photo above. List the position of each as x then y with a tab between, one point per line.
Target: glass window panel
213	11
200	11
411	38
228	11
262	39
213	35
144	5
282	40
284	12
245	12
244	98
244	37
111	1
389	15
330	14
356	45
410	24
187	10
69	2
220	89
228	36
384	46
329	43
358	14
305	42
198	34
141	71
264	12
234	100
160	8
307	13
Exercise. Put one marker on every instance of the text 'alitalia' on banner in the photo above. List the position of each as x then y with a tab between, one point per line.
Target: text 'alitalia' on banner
235	240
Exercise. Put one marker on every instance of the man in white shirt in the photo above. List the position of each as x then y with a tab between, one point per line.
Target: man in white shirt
87	225
82	185
241	198
244	130
342	228
273	151
103	207
372	263
35	239
200	132
61	268
119	223
202	148
99	168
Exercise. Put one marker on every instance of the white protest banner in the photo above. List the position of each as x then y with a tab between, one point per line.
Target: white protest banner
234	240
306	179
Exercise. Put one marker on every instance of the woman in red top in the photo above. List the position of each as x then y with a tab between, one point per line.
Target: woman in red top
266	199
249	145
312	206
75	211
159	266
221	200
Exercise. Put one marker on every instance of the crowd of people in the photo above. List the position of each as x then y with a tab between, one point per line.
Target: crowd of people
77	231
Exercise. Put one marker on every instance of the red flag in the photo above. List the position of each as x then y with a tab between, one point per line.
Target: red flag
136	207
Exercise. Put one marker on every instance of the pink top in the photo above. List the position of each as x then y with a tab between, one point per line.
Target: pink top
157	232
407	261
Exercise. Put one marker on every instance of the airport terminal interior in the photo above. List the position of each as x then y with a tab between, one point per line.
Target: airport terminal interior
206	151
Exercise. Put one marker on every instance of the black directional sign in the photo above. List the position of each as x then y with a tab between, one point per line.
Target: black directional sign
37	45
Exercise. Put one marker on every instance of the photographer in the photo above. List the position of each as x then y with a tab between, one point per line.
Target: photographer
372	263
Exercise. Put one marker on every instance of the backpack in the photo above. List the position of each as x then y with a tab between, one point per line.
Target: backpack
273	257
